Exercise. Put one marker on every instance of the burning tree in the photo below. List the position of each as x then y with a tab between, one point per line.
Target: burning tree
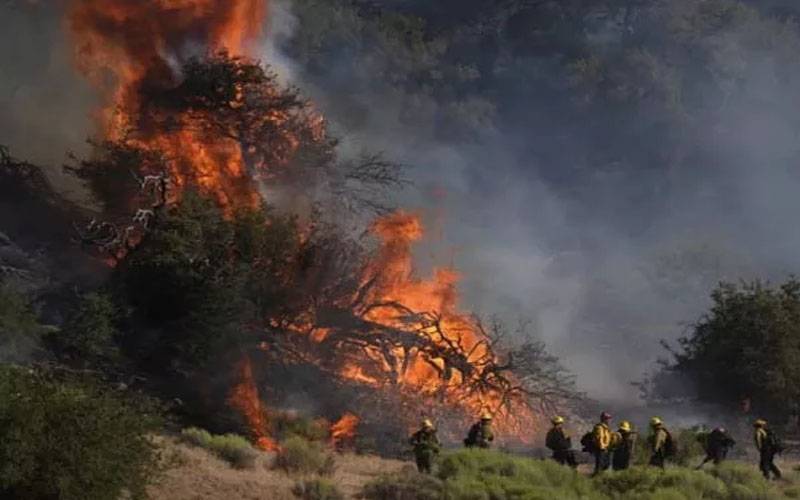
212	272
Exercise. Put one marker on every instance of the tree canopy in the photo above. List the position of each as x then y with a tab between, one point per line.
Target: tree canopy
747	347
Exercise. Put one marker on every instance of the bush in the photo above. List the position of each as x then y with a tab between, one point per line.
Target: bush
299	455
317	489
408	485
287	426
19	328
491	474
71	440
230	447
689	450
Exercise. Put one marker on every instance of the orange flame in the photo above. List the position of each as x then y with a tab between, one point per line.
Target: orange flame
244	398
123	46
344	429
394	280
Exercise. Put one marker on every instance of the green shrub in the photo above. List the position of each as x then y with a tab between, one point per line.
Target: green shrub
407	485
690	451
70	440
317	489
287	426
88	336
230	447
299	455
730	481
491	475
19	329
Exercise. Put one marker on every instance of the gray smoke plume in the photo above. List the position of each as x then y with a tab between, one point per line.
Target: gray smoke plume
606	253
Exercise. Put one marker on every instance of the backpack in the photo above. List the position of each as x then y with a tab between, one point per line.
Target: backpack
670	448
472	437
552	441
774	442
588	443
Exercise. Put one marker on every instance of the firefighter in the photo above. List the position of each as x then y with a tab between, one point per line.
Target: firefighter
717	444
622	443
660	441
768	445
480	434
426	446
602	443
559	442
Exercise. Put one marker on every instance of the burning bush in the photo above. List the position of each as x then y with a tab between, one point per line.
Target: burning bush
235	449
298	455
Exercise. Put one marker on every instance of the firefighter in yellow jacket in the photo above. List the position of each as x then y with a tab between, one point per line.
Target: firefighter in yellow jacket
623	444
602	444
559	442
768	445
660	441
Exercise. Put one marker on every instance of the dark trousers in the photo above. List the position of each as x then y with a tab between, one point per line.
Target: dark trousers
602	461
767	465
657	459
621	460
716	456
565	457
424	463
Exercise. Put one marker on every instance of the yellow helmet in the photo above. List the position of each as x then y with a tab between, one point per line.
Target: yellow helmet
760	423
427	423
625	426
557	420
486	415
655	421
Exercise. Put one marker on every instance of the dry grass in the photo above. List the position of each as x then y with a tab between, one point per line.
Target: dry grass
198	474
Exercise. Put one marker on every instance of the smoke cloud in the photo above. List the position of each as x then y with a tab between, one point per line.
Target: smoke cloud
606	255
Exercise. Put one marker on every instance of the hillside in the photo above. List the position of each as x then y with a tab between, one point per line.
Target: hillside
196	474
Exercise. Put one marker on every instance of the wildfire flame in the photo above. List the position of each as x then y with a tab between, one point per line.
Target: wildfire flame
344	429
244	397
128	47
394	281
124	47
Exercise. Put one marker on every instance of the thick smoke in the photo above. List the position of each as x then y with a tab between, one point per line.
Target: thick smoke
606	254
605	257
44	105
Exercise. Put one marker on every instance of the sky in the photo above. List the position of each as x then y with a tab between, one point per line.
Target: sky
604	262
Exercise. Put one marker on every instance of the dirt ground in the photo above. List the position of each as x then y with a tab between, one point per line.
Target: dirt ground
196	474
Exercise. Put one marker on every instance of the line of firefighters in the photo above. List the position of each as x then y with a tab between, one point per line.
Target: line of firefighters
611	449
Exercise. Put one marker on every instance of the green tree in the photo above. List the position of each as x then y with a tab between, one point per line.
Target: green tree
183	286
747	346
89	336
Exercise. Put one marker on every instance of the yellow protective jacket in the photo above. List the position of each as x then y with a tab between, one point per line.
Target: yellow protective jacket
602	436
760	437
659	439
